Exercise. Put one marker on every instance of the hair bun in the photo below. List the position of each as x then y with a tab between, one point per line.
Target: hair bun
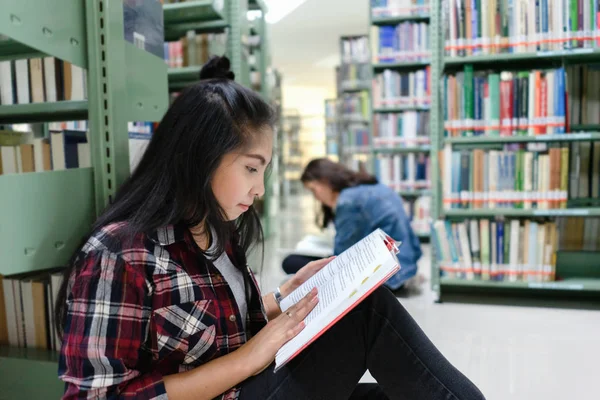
217	68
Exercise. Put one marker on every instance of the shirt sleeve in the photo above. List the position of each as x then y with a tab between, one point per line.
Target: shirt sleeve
107	320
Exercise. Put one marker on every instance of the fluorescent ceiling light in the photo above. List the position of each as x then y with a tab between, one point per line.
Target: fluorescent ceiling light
279	9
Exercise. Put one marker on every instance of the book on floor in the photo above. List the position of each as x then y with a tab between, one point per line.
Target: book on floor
342	285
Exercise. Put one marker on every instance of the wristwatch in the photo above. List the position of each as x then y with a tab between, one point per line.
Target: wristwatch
277	296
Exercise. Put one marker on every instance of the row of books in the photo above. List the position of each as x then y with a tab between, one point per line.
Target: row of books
354	76
419	211
517	178
38	80
524	103
512	250
194	49
355	50
506	103
519	26
578	233
407	129
355	106
398	89
63	150
406	42
583	87
356	138
404	171
27	310
399	8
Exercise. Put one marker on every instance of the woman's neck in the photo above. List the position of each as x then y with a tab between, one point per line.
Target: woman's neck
334	200
201	236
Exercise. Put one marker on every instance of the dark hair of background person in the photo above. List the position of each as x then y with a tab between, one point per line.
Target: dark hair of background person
338	177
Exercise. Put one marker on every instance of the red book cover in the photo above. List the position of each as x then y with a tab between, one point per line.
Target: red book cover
543	105
505	108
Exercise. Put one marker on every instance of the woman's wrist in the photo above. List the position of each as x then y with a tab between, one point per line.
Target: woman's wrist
286	288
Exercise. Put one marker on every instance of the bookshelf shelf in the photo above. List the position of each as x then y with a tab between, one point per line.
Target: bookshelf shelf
38	25
400	109
184	74
193	11
570	137
44	112
19	366
577	55
403	150
45	233
510	212
400	65
567	285
11	49
398	20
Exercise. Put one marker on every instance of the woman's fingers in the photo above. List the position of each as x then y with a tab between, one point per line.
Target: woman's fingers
319	264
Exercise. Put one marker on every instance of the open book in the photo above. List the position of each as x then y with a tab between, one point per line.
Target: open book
342	284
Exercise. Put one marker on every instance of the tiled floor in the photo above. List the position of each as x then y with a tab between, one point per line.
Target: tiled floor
510	352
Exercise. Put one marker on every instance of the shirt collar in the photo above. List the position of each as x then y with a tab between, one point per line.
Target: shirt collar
167	235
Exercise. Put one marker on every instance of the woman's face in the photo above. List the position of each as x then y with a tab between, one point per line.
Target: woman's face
322	192
240	177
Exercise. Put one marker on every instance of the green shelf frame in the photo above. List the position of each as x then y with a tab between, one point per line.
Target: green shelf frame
400	65
44	234
11	49
569	137
44	112
194	11
397	20
388	110
37	25
522	213
29	374
403	150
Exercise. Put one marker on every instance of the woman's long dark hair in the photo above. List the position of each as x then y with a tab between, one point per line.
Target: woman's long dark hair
338	177
172	182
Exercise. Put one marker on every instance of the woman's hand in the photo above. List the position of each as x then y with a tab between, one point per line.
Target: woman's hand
304	274
259	352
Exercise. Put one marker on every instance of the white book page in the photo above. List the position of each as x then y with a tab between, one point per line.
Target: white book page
348	265
333	304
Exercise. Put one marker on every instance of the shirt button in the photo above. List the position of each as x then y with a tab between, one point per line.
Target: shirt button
232	318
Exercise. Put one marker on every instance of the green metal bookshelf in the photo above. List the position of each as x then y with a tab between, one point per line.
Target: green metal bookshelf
379	67
580	277
46	216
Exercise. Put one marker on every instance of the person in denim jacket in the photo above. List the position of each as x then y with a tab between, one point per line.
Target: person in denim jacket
358	204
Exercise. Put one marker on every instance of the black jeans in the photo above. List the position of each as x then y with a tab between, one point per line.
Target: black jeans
292	263
378	335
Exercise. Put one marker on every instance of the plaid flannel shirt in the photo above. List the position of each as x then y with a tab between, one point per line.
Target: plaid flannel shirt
141	311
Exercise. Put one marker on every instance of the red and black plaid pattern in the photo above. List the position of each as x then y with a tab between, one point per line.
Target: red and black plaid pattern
141	309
